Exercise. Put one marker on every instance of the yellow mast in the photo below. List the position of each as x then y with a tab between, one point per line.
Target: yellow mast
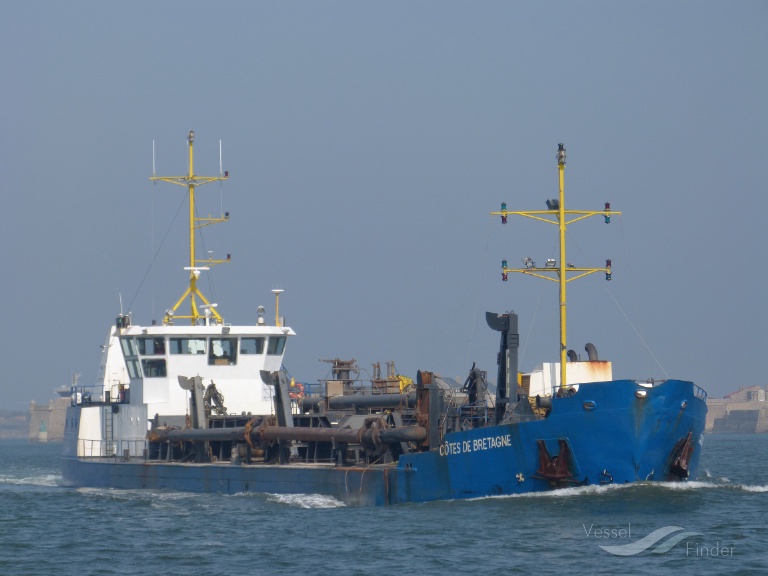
277	292
560	269
191	181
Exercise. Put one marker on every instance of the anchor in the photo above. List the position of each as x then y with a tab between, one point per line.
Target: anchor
680	458
555	468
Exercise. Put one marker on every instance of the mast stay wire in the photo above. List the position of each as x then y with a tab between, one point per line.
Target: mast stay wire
209	276
632	294
475	316
157	252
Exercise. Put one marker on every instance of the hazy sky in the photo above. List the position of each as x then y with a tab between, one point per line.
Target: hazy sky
367	143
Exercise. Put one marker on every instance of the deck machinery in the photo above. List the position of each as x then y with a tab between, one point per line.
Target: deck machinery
358	428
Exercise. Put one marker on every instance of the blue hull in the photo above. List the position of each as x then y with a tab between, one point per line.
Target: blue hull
610	435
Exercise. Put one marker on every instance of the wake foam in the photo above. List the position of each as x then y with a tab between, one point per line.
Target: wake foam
724	484
40	480
306	500
650	486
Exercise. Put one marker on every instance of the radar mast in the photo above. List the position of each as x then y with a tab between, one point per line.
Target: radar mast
557	271
191	181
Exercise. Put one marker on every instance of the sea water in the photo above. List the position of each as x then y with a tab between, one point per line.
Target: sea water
714	524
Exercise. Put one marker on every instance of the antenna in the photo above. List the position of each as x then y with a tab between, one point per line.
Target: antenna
192	181
120	296
557	214
153	157
221	187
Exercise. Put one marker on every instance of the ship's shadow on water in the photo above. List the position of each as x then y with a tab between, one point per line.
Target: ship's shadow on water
47	528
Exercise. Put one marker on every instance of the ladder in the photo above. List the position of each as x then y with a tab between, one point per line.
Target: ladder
109	440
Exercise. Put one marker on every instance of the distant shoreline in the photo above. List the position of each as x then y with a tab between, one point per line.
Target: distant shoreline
14	424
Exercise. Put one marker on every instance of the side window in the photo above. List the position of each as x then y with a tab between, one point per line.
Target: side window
276	345
153	368
151	346
129	347
251	345
133	368
222	351
187	346
130	352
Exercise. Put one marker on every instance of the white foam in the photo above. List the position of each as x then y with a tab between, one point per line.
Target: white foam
565	492
307	500
41	480
724	483
595	489
689	485
149	495
747	488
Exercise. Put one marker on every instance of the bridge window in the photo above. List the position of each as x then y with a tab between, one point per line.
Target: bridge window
131	352
251	345
153	368
151	346
133	368
187	346
276	345
222	351
129	347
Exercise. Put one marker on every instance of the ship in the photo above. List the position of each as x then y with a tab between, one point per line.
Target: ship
198	404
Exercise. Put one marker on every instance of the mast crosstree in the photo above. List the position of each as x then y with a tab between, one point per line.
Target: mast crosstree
191	181
557	271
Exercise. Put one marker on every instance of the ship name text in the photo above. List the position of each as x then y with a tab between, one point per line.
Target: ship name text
476	445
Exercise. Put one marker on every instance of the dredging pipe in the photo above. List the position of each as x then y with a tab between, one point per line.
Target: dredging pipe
373	434
196	434
361	401
345	435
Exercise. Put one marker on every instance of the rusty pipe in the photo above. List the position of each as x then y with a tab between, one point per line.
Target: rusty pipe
362	401
274	433
344	435
196	434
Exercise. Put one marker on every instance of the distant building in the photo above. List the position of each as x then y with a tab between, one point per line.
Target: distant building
743	411
46	421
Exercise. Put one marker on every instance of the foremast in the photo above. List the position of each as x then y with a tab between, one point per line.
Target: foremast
559	271
191	181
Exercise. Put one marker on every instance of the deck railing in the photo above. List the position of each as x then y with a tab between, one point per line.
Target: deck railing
117	450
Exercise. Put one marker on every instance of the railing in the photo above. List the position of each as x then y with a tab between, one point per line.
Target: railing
116	450
699	393
84	394
478	414
119	394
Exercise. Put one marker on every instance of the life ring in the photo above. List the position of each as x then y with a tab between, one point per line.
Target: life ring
296	386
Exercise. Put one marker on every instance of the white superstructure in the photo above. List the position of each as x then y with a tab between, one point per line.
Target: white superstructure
142	366
231	357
